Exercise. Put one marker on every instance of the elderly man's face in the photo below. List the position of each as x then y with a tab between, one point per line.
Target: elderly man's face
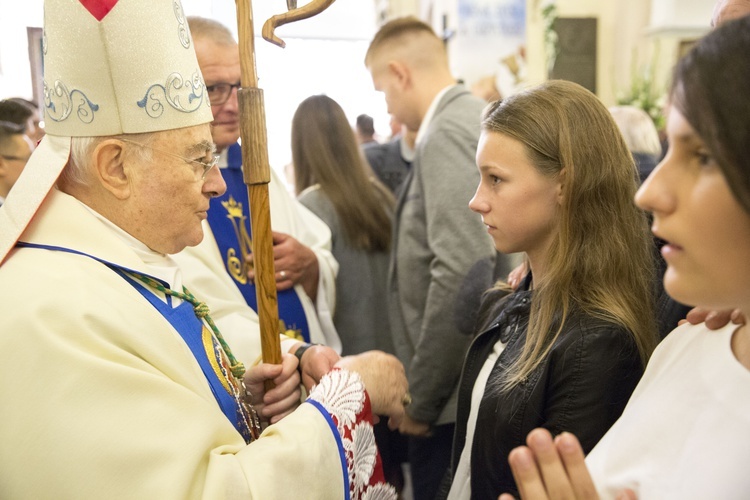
170	197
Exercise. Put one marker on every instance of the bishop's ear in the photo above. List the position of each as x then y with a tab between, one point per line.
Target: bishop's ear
110	168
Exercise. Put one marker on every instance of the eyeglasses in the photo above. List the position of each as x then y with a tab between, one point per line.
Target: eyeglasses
218	93
16	158
204	167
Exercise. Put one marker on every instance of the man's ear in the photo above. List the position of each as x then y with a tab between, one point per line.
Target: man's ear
401	72
110	169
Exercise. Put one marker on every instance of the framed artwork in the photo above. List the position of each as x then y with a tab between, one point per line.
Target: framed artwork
576	58
34	36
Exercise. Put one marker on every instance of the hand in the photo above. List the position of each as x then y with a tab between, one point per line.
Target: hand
294	264
385	381
417	428
280	401
316	362
714	319
516	275
553	469
542	471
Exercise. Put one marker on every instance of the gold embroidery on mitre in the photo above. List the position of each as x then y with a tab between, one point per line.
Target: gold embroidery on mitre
237	266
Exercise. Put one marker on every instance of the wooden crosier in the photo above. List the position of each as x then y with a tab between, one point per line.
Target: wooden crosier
255	166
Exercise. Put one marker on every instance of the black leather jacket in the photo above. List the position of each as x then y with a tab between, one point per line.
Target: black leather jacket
581	387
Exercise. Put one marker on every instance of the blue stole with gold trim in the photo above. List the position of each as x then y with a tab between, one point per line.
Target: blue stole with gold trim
229	218
200	340
205	349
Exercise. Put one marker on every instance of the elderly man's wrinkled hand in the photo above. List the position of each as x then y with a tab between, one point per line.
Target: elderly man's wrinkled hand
385	381
284	398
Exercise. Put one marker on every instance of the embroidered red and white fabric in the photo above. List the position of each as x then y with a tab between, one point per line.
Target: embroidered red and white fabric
343	395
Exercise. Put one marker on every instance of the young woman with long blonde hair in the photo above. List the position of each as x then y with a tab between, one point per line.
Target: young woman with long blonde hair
567	348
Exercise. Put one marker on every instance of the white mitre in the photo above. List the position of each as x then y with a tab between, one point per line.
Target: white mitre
110	67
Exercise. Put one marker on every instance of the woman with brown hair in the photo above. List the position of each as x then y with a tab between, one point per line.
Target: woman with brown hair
567	348
334	182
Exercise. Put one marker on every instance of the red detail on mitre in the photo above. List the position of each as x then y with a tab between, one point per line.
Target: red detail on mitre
98	8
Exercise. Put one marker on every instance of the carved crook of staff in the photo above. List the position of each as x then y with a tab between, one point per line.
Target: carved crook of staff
256	169
294	14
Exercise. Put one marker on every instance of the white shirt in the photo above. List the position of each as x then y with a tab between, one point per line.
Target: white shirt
461	486
685	431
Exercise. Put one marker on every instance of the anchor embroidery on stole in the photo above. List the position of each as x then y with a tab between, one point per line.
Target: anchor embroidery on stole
238	266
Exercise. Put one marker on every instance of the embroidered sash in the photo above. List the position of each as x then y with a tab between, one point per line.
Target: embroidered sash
203	345
230	223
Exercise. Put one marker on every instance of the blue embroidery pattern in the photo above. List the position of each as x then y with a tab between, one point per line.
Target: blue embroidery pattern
60	103
182	95
183	34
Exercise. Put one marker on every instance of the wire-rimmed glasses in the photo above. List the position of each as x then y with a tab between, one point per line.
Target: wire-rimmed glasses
205	167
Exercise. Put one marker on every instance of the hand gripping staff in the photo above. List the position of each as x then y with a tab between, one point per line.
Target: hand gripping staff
255	166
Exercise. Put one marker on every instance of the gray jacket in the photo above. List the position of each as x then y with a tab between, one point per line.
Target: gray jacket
443	258
360	318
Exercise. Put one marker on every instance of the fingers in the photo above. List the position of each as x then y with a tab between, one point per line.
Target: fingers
527	476
394	422
285	382
575	465
286	279
714	319
696	315
285	396
737	317
279	237
316	362
384	379
551	469
627	495
718	319
516	275
550	465
276	411
257	374
412	427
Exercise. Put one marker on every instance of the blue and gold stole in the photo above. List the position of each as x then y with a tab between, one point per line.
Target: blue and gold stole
229	218
227	389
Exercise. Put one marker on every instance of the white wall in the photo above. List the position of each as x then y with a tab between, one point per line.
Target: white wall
15	74
630	34
324	54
